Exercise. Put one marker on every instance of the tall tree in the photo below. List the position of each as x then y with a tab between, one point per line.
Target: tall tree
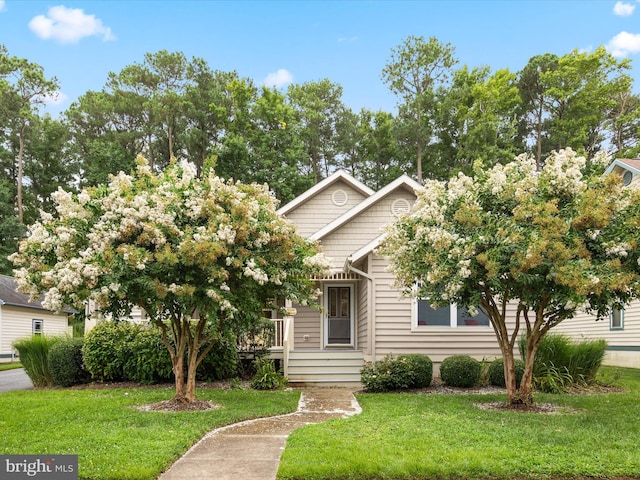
319	108
11	229
546	244
23	89
415	71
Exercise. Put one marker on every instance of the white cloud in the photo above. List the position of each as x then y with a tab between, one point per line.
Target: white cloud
623	9
278	79
68	25
347	39
623	44
55	98
3	7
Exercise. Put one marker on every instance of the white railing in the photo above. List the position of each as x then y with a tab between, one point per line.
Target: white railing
278	334
287	343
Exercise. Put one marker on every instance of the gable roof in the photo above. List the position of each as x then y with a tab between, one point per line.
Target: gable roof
10	296
324	184
401	182
631	164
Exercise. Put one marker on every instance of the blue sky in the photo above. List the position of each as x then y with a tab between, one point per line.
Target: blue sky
348	42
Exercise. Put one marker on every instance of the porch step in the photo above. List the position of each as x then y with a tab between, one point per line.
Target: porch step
325	367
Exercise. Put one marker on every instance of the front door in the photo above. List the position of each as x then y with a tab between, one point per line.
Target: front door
339	315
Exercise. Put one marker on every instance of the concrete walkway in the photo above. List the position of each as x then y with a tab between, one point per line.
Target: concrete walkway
251	450
16	379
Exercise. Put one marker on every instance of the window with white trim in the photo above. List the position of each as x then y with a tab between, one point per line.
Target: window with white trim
424	315
616	319
37	326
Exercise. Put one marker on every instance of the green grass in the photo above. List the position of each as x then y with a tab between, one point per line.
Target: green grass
112	438
9	366
411	436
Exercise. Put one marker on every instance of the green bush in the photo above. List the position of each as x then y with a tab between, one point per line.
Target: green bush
107	349
397	373
496	372
422	368
33	353
561	362
147	359
65	363
222	361
460	371
267	377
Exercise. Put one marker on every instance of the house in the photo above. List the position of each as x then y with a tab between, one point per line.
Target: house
622	329
19	319
364	317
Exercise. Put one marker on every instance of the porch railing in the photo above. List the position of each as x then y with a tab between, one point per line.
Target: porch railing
278	334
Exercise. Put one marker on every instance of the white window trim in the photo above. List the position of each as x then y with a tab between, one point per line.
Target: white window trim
453	320
621	327
33	326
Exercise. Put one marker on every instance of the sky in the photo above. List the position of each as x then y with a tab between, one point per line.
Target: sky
280	42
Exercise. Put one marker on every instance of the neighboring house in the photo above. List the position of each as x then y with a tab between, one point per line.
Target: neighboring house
19	319
364	317
622	329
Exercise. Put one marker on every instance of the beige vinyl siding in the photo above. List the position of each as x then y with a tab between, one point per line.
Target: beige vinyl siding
362	229
307	322
394	335
17	322
621	171
586	326
320	210
362	314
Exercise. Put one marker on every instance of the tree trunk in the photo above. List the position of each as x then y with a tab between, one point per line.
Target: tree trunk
20	172
419	162
510	376
526	384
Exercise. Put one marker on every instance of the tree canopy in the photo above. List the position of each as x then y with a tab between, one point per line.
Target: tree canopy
201	256
547	244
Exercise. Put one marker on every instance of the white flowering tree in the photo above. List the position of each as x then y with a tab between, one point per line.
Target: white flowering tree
546	243
198	255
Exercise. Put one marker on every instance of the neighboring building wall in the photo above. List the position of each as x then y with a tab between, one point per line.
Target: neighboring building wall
321	209
17	323
621	171
394	335
624	343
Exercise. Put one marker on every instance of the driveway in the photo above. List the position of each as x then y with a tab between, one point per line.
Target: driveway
15	379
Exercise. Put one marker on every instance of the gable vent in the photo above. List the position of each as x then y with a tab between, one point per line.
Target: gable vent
627	177
400	206
339	198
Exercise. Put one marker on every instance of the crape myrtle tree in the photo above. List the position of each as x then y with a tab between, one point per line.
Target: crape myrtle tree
529	249
201	256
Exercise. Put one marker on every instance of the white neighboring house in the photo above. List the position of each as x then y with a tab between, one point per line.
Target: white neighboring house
622	329
19	319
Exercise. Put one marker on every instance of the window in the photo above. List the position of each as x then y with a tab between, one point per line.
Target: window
616	319
449	316
37	326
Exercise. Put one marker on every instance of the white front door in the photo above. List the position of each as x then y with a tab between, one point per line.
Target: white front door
339	314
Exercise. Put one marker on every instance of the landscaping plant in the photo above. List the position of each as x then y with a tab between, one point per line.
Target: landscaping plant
529	248
66	364
460	371
201	256
33	353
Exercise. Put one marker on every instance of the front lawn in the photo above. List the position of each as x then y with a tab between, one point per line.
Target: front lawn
9	366
418	436
112	438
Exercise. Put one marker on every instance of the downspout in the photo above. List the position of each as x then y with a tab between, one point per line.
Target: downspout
371	313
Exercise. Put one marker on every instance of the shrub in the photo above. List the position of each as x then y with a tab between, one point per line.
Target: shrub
561	362
496	372
107	349
147	360
65	363
422	368
33	352
460	371
399	373
222	361
267	377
